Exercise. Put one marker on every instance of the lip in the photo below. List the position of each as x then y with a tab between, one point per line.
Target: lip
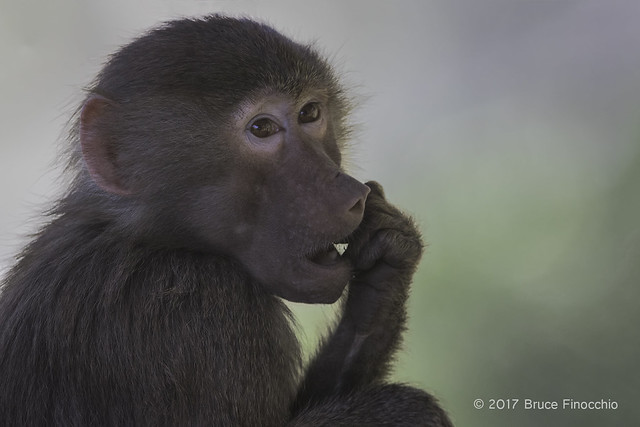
325	257
330	255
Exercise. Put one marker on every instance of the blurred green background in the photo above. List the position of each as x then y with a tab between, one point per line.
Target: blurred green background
509	129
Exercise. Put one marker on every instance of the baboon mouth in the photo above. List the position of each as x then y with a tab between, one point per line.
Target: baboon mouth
330	255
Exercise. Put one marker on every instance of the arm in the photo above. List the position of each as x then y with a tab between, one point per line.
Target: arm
385	251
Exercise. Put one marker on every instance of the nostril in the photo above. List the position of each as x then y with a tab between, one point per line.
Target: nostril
358	207
353	196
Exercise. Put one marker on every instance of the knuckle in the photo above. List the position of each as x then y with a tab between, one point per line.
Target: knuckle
404	250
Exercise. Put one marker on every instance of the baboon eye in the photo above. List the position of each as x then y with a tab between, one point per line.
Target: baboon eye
309	113
263	128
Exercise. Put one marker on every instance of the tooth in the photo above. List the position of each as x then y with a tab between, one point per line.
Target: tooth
340	247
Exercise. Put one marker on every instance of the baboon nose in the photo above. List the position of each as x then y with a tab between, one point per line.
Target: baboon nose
350	197
357	208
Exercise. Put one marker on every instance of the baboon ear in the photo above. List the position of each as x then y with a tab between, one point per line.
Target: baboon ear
98	149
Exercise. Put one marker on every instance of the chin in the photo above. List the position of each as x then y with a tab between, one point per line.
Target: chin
308	282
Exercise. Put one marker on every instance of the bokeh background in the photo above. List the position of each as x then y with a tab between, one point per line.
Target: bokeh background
509	129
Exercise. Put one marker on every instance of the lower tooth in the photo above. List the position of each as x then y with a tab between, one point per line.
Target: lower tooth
340	247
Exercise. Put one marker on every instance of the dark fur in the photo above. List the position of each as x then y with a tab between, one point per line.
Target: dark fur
135	305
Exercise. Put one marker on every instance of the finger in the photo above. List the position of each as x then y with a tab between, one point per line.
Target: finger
376	188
